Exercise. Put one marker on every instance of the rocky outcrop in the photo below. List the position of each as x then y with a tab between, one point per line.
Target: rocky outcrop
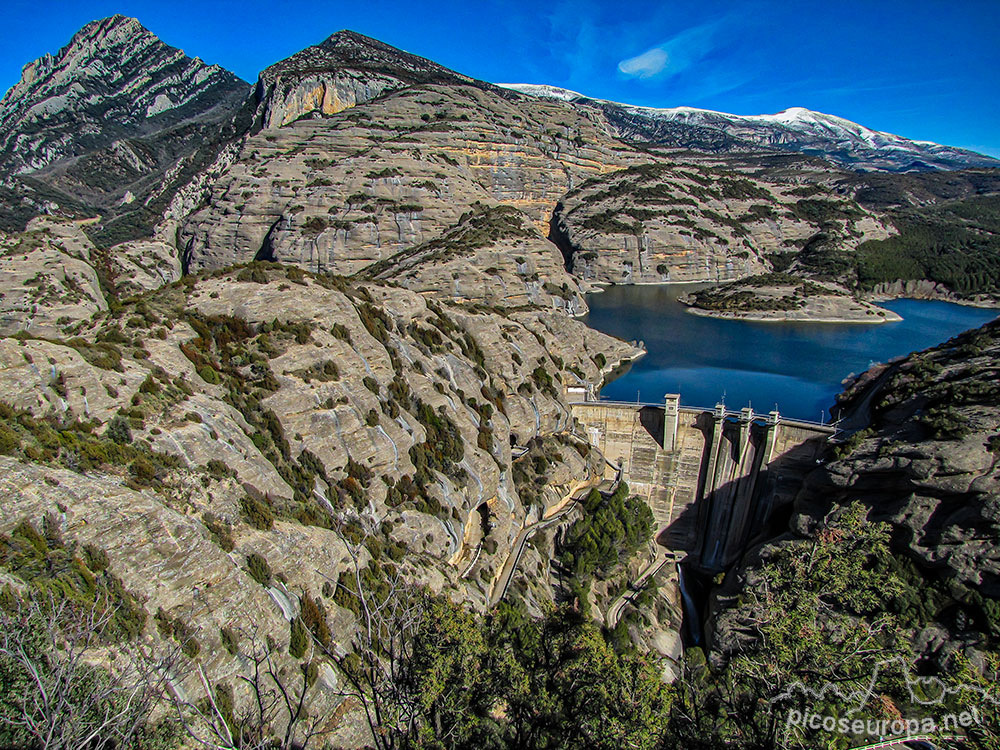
344	193
99	125
143	265
687	221
345	70
515	267
164	554
785	297
927	463
355	375
336	408
113	80
47	280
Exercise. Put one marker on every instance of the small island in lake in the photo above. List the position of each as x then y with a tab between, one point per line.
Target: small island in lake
784	297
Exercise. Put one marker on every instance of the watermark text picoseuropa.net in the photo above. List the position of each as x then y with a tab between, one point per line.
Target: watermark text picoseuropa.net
952	723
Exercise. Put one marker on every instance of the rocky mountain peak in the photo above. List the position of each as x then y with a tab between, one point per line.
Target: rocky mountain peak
86	55
111	78
98	123
344	70
109	30
347	49
348	38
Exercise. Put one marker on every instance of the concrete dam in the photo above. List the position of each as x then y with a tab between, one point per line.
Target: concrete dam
710	476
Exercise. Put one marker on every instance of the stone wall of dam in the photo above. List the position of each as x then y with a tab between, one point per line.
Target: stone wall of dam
711	476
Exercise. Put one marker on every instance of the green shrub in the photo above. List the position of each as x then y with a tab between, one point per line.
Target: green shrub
612	528
95	558
253	273
258	568
9	441
299	640
313	226
314	617
143	471
230	640
340	331
210	375
993	444
258	513
219	470
119	430
222	532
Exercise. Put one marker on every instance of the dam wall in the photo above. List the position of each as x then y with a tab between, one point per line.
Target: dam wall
712	477
631	435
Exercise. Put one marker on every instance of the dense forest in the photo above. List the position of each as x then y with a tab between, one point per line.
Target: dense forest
955	244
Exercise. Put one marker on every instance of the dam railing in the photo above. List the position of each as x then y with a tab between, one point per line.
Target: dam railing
830	427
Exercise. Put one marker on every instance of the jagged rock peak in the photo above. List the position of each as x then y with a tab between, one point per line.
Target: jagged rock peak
111	77
100	32
112	27
94	41
349	38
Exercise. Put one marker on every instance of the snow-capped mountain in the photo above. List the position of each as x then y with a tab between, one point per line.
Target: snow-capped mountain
796	129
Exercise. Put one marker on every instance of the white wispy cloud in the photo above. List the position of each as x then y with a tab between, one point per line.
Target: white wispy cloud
648	64
676	54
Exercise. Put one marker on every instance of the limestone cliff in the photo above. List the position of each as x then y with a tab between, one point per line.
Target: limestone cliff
342	193
344	70
400	406
264	411
47	280
689	220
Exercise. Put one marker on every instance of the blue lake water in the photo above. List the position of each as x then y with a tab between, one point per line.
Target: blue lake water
797	366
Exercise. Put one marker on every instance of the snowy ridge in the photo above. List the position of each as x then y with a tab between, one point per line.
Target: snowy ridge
794	129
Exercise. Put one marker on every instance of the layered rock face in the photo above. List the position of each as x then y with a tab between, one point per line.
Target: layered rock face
110	80
928	461
47	280
345	70
371	377
367	358
370	185
338	409
101	122
335	408
689	221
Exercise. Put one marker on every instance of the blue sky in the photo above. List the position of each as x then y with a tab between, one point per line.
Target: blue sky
928	70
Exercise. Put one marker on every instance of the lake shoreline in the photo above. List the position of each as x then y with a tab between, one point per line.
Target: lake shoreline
916	290
799	365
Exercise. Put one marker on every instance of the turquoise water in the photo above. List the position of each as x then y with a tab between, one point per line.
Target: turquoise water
797	366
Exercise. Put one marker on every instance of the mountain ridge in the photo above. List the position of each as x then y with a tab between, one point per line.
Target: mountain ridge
793	129
350	358
110	125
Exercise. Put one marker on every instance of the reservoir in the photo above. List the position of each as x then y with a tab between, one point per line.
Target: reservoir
797	366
